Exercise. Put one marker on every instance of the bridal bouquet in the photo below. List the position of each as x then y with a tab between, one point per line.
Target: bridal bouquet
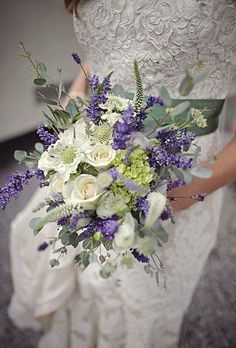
109	163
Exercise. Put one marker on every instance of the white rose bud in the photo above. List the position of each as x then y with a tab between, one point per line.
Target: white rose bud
125	237
57	183
101	156
157	202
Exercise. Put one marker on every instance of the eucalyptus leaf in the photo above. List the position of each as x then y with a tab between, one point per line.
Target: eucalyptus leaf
180	108
93	258
160	234
102	258
198	78
200	172
20	155
30	164
179	174
187	177
82	259
118	90
42	69
54	263
35	225
39	81
186	85
164	94
39	147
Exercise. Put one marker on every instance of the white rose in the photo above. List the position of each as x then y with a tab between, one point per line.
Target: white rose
100	156
125	237
84	190
157	202
57	183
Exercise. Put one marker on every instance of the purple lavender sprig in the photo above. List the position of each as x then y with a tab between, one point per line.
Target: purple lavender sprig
15	184
99	96
140	257
45	136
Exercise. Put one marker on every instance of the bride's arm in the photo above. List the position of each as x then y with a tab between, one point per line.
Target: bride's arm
80	85
224	172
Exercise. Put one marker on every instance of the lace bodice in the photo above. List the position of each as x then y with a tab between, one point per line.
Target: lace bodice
166	37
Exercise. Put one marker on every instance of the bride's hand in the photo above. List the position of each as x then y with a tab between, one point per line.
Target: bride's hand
223	173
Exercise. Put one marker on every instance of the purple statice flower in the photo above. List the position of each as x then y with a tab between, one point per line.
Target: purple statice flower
43	246
45	136
143	205
75	219
153	101
62	221
114	173
100	96
108	227
123	129
88	231
159	157
14	185
140	257
138	120
174	138
172	184
39	175
76	58
133	186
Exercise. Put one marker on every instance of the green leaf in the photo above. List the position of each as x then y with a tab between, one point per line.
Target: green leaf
48	101
35	225
72	108
87	243
93	258
164	94
39	147
102	258
54	263
180	108
82	259
42	69
39	81
200	172
179	174
20	155
186	85
107	270
73	239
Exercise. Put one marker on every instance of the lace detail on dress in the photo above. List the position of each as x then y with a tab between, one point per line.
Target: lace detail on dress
165	36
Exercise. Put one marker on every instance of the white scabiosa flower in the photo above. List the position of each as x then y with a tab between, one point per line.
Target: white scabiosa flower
125	237
115	104
157	203
111	117
101	156
84	191
65	155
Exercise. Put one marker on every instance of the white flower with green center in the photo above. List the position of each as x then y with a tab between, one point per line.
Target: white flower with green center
64	156
111	117
115	104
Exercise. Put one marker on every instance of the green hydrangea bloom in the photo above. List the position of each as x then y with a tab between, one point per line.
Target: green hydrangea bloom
138	170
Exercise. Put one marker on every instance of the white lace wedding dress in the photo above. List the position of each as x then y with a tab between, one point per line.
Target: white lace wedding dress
165	36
